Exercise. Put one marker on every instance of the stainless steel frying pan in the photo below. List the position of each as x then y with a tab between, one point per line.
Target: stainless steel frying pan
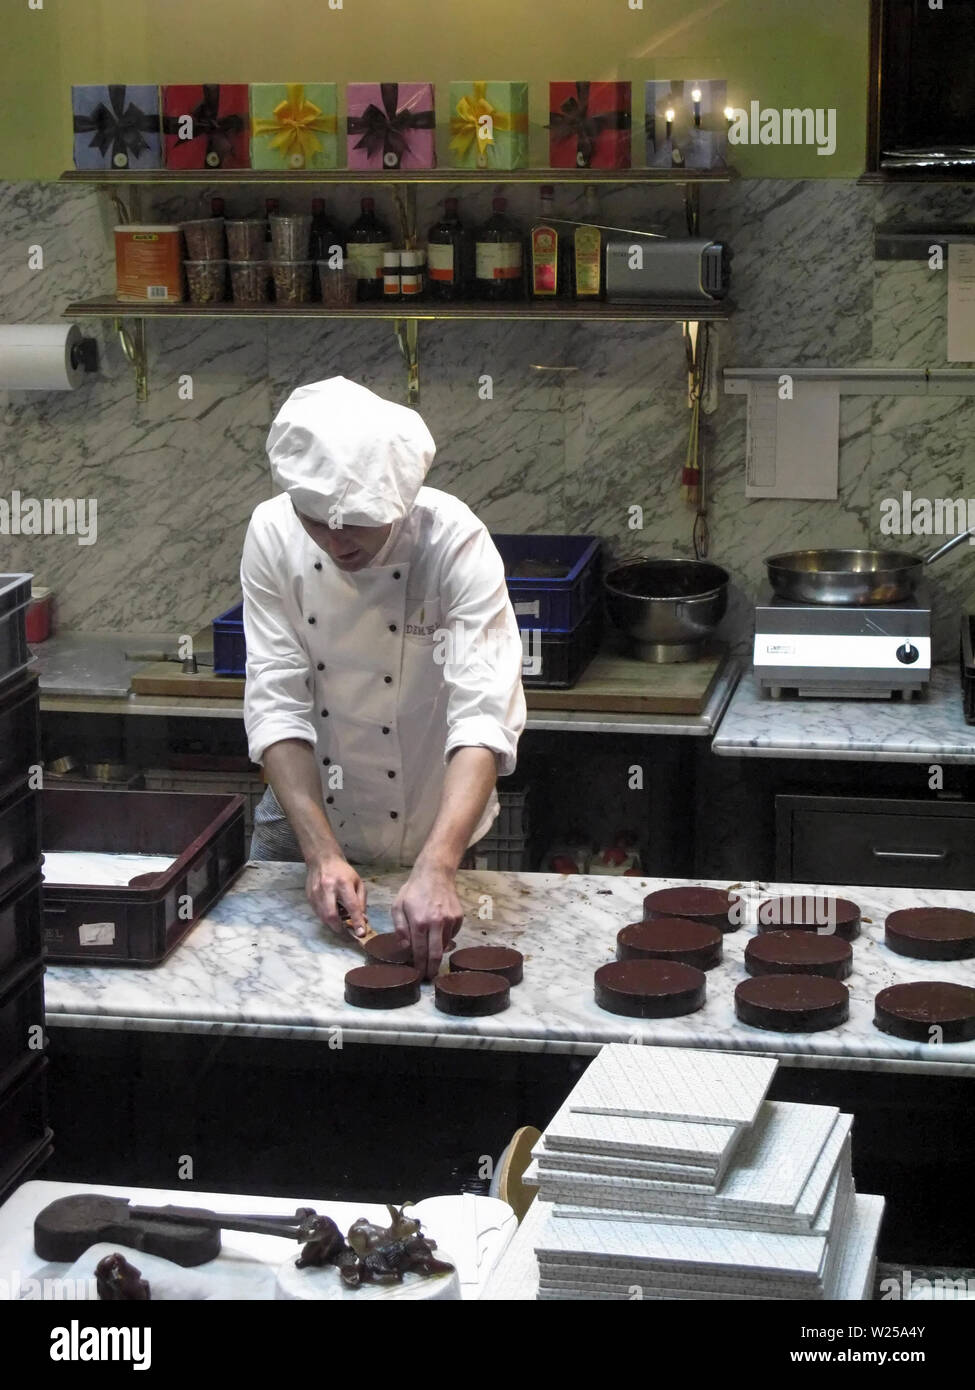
851	578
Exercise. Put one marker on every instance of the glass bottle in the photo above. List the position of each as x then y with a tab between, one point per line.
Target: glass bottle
368	239
588	260
448	255
498	256
544	251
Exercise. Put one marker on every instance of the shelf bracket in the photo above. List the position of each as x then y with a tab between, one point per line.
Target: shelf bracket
407	335
134	347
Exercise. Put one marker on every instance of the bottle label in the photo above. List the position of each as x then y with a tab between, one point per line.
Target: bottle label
545	254
440	262
365	258
497	260
588	260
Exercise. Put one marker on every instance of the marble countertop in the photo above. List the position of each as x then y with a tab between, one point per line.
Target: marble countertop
84	673
909	731
260	964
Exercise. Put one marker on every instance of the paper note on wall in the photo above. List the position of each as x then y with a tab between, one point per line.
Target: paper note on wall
961	301
793	446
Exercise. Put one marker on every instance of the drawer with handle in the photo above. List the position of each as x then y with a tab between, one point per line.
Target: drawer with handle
893	843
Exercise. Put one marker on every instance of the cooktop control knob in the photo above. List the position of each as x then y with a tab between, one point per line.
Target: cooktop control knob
907	653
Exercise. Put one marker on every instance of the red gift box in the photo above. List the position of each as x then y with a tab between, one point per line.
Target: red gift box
589	125
220	136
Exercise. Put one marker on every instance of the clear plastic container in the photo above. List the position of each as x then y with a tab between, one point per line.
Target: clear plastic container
292	281
290	236
339	287
250	282
204	239
247	239
206	281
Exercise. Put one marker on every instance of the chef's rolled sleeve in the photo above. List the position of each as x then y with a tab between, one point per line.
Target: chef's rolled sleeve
486	702
278	694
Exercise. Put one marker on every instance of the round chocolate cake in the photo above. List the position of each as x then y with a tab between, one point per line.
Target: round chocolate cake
650	988
382	986
915	1010
798	953
792	1003
931	933
708	905
827	916
471	994
671	938
495	960
389	949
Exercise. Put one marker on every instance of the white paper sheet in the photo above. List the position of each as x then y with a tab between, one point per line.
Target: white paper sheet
102	870
961	301
793	446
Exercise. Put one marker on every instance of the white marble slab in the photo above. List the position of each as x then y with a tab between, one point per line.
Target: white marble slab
915	731
260	964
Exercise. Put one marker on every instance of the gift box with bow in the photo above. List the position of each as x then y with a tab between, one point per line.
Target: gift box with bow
116	127
207	126
294	125
489	125
391	125
589	125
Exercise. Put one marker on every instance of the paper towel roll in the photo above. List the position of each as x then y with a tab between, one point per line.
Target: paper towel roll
38	357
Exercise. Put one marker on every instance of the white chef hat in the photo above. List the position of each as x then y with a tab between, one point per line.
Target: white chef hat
339	449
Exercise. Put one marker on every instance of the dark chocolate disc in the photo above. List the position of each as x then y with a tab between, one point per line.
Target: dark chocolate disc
389	949
671	938
827	916
931	933
915	1010
471	993
708	905
650	988
798	953
792	1003
496	960
382	986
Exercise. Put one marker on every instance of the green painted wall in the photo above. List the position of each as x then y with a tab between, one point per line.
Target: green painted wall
783	53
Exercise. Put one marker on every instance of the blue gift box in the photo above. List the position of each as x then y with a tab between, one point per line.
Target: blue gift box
116	127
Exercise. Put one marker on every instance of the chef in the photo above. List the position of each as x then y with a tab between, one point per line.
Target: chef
383	693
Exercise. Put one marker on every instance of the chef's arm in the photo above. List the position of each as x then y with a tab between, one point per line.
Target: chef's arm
292	771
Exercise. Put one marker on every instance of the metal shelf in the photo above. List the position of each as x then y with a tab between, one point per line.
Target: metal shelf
311	177
563	312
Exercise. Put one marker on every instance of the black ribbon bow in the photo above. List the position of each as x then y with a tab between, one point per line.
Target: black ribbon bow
208	121
385	129
117	126
573	121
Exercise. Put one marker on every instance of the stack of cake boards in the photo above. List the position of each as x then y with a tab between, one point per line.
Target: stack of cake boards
670	1175
477	984
797	963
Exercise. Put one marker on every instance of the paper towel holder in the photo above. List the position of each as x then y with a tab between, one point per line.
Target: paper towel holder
84	354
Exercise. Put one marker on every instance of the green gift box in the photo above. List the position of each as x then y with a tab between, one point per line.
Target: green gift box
489	125
294	125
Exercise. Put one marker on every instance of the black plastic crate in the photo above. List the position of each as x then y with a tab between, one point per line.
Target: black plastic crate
21	937
21	1022
20	728
25	1139
554	605
229	647
20	831
14	599
142	923
968	667
556	661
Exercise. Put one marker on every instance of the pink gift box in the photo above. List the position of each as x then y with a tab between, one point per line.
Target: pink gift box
391	125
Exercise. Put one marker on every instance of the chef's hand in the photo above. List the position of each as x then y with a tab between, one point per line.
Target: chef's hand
428	914
333	881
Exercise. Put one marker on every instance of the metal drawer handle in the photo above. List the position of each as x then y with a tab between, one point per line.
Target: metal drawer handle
918	855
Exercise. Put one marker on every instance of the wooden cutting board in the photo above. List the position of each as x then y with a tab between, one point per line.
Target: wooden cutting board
169	678
614	684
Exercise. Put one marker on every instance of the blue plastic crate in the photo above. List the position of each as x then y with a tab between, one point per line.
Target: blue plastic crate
229	647
554	605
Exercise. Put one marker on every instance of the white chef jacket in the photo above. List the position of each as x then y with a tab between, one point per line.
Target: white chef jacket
383	671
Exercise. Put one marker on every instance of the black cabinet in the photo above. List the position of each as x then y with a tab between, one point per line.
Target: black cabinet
889	842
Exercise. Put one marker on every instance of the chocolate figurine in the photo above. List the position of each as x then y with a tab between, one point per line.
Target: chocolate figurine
374	1254
117	1281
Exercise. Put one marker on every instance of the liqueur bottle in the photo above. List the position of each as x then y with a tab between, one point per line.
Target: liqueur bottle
368	240
448	256
544	251
587	249
498	256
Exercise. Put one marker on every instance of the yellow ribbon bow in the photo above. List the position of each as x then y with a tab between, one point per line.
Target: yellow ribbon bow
467	127
295	123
